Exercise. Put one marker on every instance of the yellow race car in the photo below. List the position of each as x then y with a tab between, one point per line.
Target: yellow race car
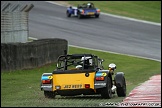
82	74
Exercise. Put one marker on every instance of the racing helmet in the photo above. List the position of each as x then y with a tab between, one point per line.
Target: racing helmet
87	60
112	66
78	66
89	5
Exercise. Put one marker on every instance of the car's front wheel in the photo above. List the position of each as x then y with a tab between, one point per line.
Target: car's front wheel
68	14
121	91
79	16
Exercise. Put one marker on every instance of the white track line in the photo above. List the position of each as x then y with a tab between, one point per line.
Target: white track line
33	38
116	16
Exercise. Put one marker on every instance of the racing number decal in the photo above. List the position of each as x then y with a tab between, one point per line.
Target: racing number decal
104	74
50	77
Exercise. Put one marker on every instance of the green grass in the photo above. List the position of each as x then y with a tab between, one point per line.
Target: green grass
144	10
22	88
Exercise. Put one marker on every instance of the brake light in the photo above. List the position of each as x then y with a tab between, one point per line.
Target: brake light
87	85
46	81
82	12
100	78
98	10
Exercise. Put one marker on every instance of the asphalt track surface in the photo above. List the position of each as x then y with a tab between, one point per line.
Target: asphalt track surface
106	33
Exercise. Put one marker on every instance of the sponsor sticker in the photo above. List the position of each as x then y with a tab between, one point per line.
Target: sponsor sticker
104	74
101	74
50	77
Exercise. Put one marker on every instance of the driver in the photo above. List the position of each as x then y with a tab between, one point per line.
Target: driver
86	62
112	68
89	5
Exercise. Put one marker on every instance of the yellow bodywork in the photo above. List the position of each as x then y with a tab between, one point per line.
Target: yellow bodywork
73	80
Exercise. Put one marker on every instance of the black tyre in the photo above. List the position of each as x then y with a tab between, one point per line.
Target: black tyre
121	91
79	16
49	94
68	14
106	92
97	16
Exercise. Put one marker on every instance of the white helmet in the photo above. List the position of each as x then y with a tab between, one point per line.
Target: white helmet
87	58
78	66
88	4
112	66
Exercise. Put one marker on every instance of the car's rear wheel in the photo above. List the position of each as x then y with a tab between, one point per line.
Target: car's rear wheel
68	14
106	92
121	91
49	94
97	16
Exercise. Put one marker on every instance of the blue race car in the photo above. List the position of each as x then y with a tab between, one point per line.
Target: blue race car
85	9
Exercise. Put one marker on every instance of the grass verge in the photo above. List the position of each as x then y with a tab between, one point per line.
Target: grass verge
22	88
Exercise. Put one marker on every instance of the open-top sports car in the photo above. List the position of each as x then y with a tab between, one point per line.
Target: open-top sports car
83	74
85	9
